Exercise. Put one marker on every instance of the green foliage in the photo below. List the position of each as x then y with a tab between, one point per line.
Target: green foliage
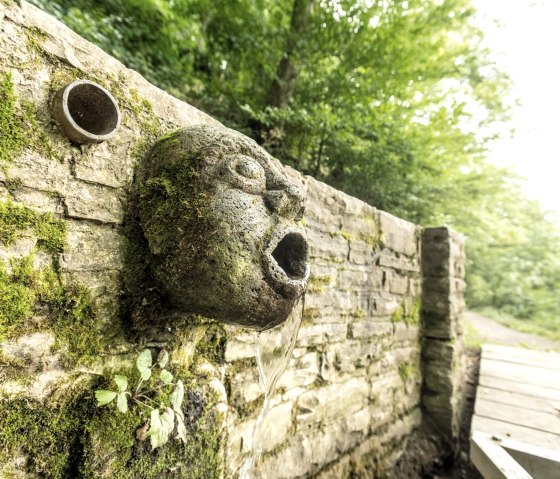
116	443
166	414
74	439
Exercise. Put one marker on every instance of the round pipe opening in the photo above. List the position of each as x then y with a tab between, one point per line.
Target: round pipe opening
87	112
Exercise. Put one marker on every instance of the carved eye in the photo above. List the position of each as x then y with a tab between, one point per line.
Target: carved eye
249	169
245	173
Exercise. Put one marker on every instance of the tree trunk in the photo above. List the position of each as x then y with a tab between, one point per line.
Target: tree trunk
283	85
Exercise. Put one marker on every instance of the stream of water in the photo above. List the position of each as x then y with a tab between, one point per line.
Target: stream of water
274	350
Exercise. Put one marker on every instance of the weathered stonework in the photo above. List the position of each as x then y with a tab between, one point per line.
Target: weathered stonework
78	309
221	222
443	283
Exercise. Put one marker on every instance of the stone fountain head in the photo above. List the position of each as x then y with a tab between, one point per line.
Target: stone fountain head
221	220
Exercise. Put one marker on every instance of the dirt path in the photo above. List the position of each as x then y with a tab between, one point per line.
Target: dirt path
493	332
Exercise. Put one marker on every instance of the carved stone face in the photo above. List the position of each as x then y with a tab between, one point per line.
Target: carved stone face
221	221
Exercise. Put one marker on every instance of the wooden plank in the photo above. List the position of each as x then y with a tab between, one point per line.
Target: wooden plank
519	387
551	357
540	463
534	403
515	360
543	421
514	431
547	378
493	462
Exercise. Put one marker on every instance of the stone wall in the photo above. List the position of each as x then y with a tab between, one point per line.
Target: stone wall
352	393
443	271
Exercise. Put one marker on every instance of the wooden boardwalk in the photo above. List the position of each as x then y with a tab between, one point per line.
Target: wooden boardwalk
517	414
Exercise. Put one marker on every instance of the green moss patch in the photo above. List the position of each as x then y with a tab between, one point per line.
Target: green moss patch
16	302
409	313
78	440
16	220
317	284
27	293
48	437
11	131
407	371
112	449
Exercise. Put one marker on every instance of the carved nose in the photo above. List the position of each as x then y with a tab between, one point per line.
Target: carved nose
287	201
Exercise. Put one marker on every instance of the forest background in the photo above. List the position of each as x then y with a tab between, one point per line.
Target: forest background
394	102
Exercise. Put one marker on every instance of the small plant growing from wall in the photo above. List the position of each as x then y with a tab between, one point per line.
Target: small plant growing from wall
162	399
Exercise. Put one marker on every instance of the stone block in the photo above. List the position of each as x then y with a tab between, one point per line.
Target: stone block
92	248
389	259
396	283
322	333
302	371
370	328
325	246
330	402
399	235
360	252
39	201
441	351
98	165
241	346
406	332
349	356
93	202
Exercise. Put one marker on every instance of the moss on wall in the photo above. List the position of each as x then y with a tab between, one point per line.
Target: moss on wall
317	284
16	303
409	313
12	135
37	299
15	220
46	437
112	449
27	292
74	439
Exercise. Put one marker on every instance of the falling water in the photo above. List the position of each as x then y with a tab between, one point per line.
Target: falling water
274	349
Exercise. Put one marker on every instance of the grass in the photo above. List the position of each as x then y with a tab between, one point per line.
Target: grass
545	327
473	338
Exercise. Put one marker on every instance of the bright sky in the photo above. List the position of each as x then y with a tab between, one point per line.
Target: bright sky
526	34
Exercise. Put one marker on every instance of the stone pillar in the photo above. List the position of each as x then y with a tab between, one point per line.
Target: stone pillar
443	361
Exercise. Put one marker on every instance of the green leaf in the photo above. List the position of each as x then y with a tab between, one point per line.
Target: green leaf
181	429
159	431
163	358
176	397
166	376
122	403
144	364
104	397
121	382
168	420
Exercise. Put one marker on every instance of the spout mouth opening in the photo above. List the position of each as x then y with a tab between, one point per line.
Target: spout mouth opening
291	255
287	263
87	112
